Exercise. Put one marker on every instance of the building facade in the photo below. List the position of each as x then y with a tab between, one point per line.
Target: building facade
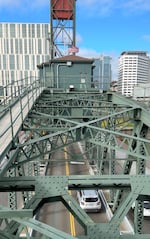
69	72
22	47
133	70
141	92
102	72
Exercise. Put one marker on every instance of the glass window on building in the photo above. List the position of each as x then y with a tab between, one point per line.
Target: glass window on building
18	62
12	62
38	31
26	77
46	47
33	62
12	77
46	58
6	30
33	30
6	46
46	31
24	30
12	30
1	31
4	62
38	60
25	74
25	47
106	69
30	46
27	67
12	46
20	47
16	46
29	31
39	46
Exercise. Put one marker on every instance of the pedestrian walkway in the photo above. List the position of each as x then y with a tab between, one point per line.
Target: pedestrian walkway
11	121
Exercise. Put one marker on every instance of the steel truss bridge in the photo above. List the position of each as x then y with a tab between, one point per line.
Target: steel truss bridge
52	119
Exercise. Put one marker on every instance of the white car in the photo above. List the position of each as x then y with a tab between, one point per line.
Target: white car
89	200
146	210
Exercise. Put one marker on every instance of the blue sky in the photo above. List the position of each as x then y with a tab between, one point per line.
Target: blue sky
102	26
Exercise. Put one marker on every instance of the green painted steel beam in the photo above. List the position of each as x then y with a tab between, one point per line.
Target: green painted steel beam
143	111
21	213
45	230
107	115
72	205
75	182
51	186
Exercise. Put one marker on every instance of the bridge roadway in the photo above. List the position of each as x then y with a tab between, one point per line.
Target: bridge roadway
13	117
11	123
54	213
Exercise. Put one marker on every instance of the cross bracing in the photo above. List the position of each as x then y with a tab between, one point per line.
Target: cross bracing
104	123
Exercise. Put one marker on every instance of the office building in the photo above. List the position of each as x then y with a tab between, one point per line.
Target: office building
133	70
22	47
102	73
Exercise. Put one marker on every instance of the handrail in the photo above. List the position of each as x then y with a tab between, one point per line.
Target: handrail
11	92
11	118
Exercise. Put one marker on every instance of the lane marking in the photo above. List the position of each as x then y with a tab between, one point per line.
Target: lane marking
72	221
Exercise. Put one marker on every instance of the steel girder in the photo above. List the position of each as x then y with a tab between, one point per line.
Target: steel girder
62	27
101	121
55	188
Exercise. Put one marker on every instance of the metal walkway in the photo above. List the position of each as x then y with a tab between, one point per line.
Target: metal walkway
14	115
39	122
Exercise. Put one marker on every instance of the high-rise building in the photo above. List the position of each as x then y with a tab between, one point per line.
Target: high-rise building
22	47
133	70
102	72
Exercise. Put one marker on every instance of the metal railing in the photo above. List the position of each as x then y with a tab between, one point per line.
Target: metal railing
15	107
12	92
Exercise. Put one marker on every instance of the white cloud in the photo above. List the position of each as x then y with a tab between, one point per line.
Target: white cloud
146	38
99	7
39	3
137	5
9	4
78	39
91	53
105	7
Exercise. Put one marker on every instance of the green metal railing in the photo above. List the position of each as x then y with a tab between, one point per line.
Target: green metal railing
12	92
19	95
